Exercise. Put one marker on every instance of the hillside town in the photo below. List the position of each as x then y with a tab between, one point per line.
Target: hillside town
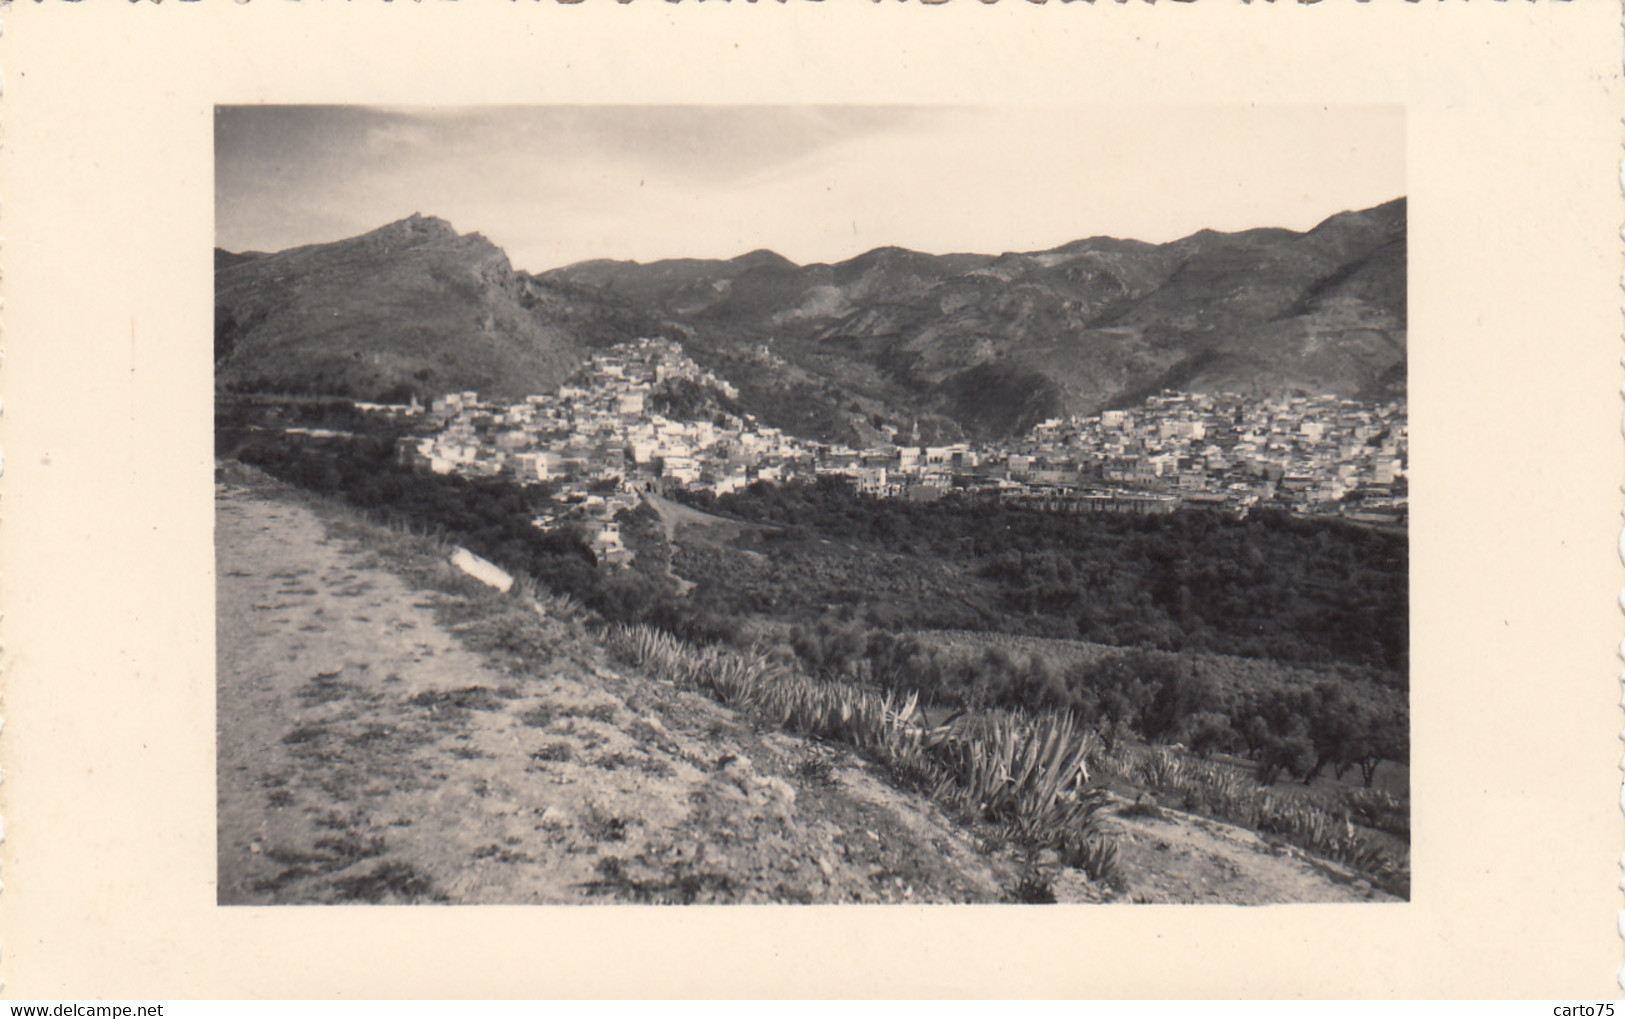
642	417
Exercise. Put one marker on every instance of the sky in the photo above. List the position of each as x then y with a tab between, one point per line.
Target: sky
553	185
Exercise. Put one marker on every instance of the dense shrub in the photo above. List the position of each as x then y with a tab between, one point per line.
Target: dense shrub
1297	731
1272	585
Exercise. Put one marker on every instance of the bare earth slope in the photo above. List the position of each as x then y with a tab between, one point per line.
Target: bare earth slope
389	731
1179	857
366	754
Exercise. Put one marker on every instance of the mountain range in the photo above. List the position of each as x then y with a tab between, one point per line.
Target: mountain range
893	341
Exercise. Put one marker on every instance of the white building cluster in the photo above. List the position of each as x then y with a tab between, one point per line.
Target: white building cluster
602	443
601	440
1319	454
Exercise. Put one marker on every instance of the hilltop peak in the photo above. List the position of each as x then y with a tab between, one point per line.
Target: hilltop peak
416	227
762	258
1387	218
410	308
886	255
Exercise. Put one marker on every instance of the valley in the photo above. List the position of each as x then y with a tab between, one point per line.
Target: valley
1074	575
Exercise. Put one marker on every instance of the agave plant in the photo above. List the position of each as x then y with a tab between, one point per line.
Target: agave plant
1163	770
1095	856
1015	769
1011	767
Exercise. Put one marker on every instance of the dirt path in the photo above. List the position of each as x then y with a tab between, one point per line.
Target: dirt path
368	752
675	515
688	523
1180	857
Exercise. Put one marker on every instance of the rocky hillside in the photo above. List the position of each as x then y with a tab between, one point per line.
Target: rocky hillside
993	343
933	346
412	307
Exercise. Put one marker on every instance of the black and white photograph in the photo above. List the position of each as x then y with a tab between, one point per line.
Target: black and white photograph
811	504
539	502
